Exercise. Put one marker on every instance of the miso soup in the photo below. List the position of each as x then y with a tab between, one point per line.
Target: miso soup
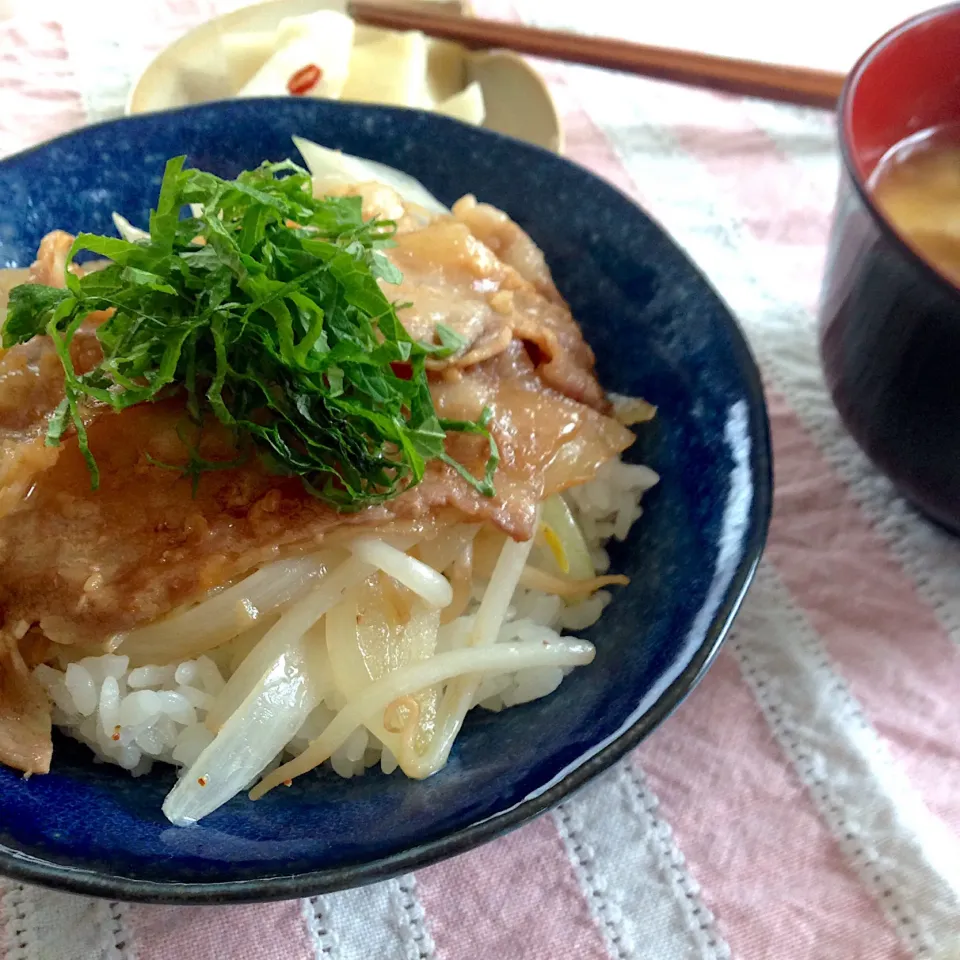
917	186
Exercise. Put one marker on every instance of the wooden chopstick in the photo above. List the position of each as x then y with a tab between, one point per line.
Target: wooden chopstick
797	85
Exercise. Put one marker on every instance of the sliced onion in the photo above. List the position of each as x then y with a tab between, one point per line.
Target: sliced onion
347	664
254	734
420	634
231	655
494	659
288	629
459	694
424	581
440	551
265	702
336	167
224	615
461	580
556	515
364	644
128	231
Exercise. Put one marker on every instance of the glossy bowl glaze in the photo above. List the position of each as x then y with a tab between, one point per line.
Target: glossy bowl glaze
658	330
890	322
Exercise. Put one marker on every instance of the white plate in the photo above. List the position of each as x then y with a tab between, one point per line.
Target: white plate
517	100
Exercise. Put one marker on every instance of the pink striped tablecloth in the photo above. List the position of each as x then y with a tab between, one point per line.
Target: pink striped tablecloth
804	803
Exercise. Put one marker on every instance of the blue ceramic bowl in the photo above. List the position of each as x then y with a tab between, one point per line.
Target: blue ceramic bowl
658	330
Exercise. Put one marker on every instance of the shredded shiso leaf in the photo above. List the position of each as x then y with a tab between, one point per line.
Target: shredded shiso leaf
263	309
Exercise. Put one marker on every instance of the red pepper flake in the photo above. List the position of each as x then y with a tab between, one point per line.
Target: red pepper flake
116	733
402	369
288	783
304	80
202	781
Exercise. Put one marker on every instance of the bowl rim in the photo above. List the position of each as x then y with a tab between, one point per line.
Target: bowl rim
845	112
24	867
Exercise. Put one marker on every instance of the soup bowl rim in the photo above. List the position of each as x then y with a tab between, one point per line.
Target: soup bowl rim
848	152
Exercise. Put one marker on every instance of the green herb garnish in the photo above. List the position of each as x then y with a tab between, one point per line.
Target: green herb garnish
273	323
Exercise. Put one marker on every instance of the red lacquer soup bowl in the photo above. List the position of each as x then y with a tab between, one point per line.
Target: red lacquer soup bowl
889	320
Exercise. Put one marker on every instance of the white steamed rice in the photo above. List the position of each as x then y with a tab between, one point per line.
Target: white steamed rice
133	717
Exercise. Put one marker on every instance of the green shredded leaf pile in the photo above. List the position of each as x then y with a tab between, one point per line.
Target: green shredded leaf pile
274	323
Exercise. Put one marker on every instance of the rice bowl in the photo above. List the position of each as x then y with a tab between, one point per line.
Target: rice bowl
413	365
680	348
